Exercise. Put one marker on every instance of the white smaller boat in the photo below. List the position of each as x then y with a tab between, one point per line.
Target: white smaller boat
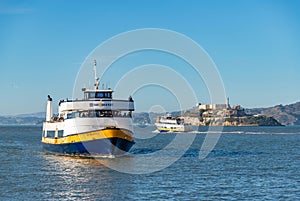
170	124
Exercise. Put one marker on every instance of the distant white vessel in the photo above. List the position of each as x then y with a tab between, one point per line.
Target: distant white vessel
170	124
96	124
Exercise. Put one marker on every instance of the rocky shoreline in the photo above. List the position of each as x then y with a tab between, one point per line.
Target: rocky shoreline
233	121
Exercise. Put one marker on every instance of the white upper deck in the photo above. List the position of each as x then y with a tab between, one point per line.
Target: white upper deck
96	104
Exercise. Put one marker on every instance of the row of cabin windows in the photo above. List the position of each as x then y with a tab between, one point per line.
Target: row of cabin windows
98	95
51	134
169	127
99	113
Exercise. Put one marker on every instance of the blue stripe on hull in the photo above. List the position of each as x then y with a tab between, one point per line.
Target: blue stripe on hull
108	146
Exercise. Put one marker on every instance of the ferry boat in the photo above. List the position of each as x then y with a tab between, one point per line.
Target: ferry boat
97	124
170	124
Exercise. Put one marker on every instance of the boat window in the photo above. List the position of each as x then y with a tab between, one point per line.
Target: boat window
50	134
83	114
92	113
122	114
106	113
116	113
99	95
92	95
107	95
60	133
98	113
70	116
103	95
76	114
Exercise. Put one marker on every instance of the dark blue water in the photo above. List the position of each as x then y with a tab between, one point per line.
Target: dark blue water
253	163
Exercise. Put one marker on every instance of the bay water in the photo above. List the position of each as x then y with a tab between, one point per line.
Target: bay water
247	163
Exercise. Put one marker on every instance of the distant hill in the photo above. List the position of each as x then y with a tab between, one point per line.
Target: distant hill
23	119
14	120
141	118
284	114
37	114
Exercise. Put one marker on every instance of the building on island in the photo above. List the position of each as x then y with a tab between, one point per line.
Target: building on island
221	110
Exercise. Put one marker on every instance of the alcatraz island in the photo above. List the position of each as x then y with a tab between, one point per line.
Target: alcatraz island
225	115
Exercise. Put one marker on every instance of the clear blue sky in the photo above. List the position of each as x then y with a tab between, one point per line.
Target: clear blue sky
255	45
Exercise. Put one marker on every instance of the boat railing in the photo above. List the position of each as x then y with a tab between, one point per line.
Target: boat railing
99	113
94	99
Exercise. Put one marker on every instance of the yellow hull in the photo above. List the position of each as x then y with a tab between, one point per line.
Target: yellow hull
93	135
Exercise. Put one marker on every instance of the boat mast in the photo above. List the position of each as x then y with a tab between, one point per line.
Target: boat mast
96	78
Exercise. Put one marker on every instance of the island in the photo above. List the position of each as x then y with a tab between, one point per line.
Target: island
226	115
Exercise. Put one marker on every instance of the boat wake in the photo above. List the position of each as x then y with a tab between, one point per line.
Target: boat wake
231	132
244	132
155	131
103	156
